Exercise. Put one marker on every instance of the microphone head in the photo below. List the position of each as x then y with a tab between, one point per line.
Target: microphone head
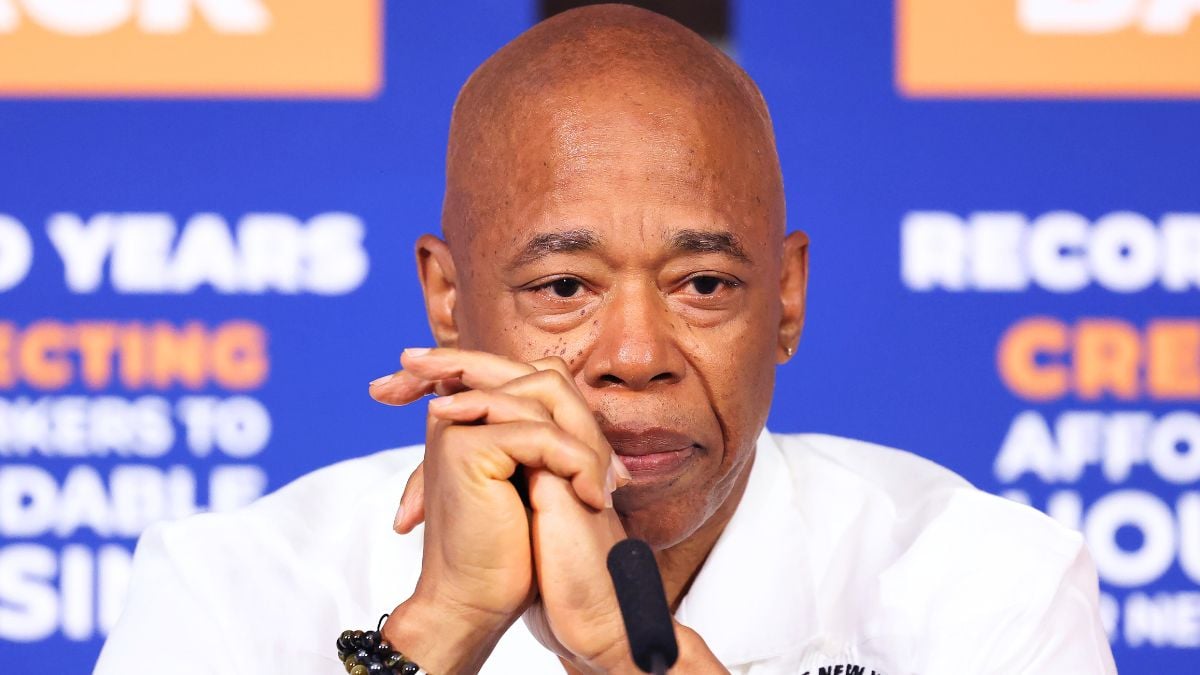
643	604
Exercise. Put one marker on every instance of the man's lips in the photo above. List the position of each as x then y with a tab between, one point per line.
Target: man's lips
651	450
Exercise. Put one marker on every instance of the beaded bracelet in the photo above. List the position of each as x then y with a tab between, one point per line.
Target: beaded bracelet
367	653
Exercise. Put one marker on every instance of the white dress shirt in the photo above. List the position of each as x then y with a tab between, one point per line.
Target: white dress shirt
841	553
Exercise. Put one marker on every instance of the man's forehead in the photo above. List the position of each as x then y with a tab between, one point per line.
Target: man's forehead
606	188
621	103
655	122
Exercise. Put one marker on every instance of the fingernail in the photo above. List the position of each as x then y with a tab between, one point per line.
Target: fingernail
610	484
442	402
381	380
416	351
399	518
621	470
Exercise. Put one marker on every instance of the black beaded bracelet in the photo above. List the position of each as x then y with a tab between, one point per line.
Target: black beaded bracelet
367	653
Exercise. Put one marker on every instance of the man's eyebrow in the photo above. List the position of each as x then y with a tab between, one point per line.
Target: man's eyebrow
706	241
542	245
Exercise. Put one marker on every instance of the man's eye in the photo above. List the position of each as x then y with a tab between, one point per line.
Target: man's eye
564	288
707	285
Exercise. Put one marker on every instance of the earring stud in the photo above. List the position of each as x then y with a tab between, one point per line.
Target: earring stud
789	351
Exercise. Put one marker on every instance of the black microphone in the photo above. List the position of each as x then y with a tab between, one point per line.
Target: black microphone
643	606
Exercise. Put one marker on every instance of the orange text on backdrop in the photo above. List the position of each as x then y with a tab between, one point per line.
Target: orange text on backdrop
1048	48
224	48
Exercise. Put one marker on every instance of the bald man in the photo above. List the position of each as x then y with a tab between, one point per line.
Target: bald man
613	293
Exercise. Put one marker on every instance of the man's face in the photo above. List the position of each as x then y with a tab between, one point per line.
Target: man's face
642	245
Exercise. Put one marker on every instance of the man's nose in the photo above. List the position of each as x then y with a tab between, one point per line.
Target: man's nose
635	346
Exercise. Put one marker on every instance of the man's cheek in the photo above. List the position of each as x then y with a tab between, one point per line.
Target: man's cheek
499	332
741	391
518	342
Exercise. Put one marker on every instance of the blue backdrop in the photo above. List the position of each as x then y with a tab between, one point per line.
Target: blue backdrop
142	380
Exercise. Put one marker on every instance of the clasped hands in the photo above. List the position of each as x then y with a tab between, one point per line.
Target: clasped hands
487	559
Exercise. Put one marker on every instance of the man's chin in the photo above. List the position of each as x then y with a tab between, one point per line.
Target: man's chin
661	515
658	529
666	507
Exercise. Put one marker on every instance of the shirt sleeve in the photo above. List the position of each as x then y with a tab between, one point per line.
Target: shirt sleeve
1070	637
991	587
164	627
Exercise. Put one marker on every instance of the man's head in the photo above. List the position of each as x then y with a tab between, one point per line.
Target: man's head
613	197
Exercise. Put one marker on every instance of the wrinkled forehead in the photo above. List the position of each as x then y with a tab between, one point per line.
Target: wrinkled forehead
621	146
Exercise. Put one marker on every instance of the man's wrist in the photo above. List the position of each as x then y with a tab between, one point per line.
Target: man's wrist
443	639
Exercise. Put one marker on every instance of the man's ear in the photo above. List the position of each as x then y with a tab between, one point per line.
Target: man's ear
793	290
439	283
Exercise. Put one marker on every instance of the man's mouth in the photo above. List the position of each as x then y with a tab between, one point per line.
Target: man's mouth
651	451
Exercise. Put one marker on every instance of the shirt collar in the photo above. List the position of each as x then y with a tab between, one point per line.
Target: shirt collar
751	599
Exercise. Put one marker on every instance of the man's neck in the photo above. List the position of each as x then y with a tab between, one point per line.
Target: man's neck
680	564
